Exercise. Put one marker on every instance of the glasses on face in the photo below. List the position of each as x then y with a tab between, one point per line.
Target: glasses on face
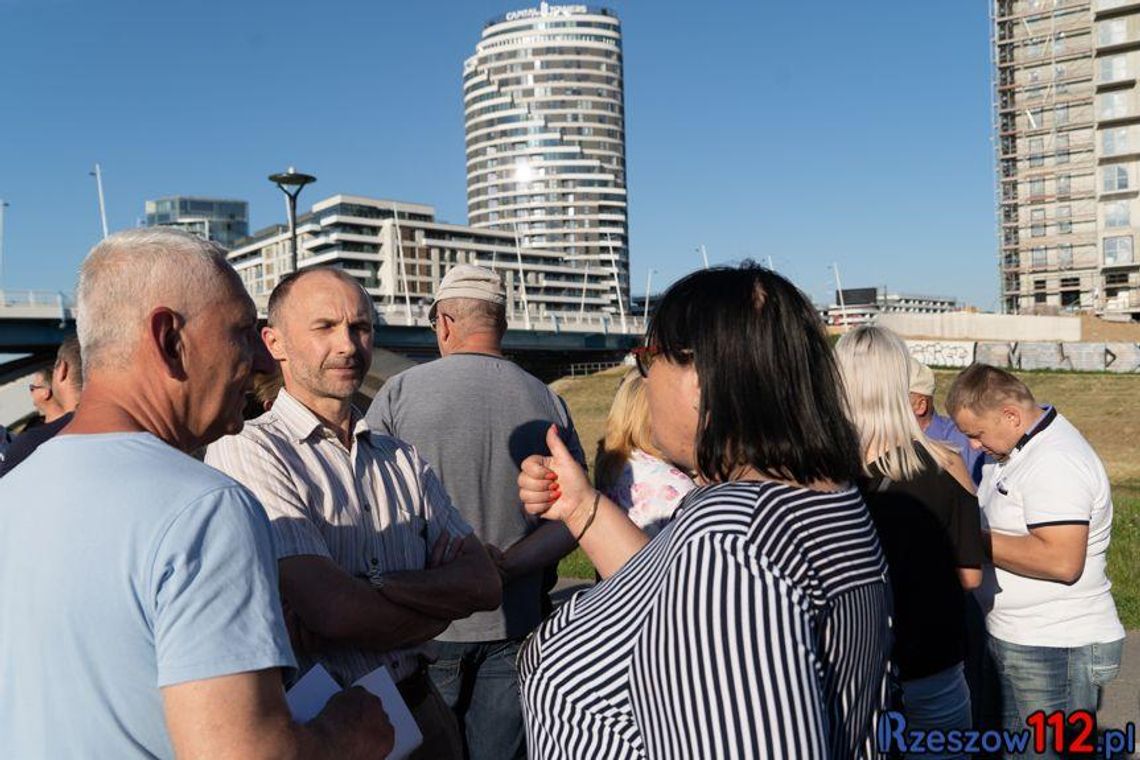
35	387
643	357
433	320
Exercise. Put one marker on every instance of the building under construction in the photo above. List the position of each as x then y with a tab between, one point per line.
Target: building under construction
1067	140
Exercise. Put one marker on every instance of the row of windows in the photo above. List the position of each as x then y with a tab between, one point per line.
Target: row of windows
600	63
1113	179
610	90
1039	256
552	119
490	157
540	106
543	53
1113	142
547	39
478	145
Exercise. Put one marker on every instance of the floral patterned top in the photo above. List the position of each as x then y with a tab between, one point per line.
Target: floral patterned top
649	490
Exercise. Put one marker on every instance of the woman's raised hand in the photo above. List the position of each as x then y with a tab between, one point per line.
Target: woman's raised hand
554	487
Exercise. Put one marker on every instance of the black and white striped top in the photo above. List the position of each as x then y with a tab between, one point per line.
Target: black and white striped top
755	626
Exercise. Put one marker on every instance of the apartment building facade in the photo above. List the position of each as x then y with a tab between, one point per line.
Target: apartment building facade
223	220
1067	142
545	137
399	252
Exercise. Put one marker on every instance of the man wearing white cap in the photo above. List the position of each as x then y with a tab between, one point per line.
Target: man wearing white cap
937	427
474	416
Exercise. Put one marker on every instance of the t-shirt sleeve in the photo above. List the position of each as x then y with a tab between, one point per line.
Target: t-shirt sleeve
259	469
214	603
1056	491
965	526
726	645
570	434
440	513
379	415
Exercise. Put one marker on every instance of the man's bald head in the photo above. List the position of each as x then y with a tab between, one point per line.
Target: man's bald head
279	298
131	273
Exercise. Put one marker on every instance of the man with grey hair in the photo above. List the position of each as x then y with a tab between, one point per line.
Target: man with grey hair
146	620
475	415
66	384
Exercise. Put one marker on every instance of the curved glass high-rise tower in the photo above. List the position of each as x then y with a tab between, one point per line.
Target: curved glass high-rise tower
545	125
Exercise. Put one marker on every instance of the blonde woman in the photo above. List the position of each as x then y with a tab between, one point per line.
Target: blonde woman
928	523
629	469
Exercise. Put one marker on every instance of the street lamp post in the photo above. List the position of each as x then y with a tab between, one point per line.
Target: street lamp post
290	182
3	205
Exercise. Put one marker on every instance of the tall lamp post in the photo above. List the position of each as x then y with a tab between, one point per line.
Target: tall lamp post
3	205
290	182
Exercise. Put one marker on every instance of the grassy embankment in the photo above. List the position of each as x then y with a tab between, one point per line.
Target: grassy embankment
1106	408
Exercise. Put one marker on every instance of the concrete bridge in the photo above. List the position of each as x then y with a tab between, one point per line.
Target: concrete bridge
33	323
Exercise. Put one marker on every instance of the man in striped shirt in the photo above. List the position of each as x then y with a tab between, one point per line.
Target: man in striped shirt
373	557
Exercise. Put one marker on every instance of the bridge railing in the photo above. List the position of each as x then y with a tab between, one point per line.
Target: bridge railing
417	316
36	304
46	304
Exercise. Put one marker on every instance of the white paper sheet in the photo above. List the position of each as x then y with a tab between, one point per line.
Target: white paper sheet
408	735
309	695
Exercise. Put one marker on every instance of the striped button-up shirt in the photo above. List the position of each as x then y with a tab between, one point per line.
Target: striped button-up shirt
374	508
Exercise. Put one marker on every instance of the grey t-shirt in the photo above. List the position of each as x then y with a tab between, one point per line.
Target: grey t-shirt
475	418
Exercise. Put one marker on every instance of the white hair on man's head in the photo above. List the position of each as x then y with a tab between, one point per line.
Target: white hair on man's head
875	366
132	272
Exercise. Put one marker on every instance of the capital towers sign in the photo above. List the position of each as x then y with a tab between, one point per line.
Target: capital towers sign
545	9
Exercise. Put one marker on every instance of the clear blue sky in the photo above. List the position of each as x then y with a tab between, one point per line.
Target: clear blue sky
808	132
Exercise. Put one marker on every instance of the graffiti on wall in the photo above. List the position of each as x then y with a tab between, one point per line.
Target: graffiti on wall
1078	357
943	353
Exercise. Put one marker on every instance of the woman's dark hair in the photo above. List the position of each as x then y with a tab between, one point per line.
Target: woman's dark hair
770	389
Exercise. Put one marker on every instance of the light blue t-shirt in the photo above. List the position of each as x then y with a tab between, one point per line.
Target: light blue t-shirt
125	566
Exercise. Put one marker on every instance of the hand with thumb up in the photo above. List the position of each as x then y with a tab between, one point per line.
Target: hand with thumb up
555	487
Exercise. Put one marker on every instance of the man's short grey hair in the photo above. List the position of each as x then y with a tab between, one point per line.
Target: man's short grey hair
476	315
132	272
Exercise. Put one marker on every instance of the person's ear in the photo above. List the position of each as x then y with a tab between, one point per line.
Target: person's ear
919	404
1011	415
443	326
271	337
165	341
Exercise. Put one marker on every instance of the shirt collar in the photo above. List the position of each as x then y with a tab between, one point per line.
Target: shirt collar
1044	421
300	422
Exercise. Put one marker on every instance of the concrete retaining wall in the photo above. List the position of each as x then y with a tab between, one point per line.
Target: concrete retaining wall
1055	355
961	325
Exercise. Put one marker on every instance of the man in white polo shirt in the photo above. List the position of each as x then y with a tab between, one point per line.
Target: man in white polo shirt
1054	634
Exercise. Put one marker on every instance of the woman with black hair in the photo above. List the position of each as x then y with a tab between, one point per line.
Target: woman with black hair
756	624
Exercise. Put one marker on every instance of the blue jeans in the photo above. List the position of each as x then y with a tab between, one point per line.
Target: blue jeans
1051	678
480	682
940	701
